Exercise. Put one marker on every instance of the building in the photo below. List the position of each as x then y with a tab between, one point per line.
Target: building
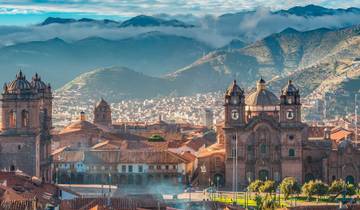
207	118
121	166
263	137
25	140
102	114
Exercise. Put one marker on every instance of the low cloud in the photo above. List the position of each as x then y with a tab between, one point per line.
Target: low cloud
213	30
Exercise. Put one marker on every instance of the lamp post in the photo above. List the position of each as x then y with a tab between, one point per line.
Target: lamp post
203	171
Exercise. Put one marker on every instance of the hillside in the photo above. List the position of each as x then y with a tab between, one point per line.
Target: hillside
277	55
115	84
150	53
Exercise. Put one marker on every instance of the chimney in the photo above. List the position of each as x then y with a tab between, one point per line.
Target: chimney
82	116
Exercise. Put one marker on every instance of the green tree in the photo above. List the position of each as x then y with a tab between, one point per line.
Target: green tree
350	189
289	186
255	186
320	188
268	187
308	189
337	186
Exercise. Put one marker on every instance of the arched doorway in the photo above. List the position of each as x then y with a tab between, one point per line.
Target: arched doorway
309	177
263	175
350	179
219	180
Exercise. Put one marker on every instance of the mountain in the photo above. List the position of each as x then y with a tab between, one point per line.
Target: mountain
314	11
57	20
150	53
115	84
278	54
149	21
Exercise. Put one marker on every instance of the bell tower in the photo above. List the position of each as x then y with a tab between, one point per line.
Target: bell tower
234	106
102	113
290	106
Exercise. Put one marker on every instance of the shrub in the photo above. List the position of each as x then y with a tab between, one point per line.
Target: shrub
289	186
268	187
156	138
255	186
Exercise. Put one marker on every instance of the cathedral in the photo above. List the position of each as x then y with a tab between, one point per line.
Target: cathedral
26	121
263	137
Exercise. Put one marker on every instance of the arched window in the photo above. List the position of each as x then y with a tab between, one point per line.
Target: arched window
263	148
291	153
12	119
24	119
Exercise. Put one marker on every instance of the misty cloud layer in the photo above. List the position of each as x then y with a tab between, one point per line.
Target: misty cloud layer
213	30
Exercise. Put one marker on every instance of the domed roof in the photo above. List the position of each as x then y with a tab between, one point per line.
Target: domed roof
234	90
80	125
290	89
38	84
20	84
262	96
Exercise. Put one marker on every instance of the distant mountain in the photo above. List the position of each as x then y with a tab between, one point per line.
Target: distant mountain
57	20
150	53
278	54
314	10
146	21
115	84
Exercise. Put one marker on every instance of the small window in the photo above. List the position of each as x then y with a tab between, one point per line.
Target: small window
19	147
158	167
249	148
291	153
263	148
234	138
291	137
167	167
151	167
130	168
123	168
174	167
140	169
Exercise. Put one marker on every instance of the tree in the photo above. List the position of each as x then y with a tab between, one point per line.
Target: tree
350	189
308	189
320	188
255	186
337	186
289	186
268	187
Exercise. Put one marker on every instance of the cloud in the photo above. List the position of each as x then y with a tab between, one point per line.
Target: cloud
151	7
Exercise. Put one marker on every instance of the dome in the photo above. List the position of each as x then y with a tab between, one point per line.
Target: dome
20	84
262	96
37	83
234	90
80	125
290	89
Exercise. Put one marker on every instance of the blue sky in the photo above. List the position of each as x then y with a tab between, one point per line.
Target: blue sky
22	12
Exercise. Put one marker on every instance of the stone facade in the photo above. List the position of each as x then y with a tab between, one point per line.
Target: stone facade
25	141
263	137
102	114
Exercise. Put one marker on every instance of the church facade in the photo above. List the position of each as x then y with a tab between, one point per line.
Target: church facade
263	137
25	140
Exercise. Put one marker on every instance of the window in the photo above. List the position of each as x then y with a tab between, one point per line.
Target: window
151	167
291	153
263	148
12	119
24	119
233	152
174	167
130	168
234	138
123	168
158	167
291	137
140	169
19	147
249	148
167	167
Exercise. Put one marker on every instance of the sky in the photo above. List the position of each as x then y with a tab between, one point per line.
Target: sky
23	12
